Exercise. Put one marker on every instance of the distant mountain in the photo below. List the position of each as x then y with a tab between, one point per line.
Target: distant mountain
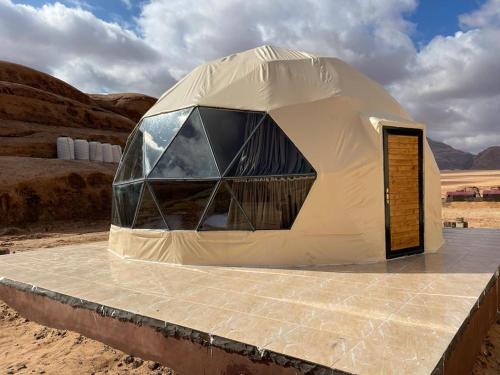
487	159
448	157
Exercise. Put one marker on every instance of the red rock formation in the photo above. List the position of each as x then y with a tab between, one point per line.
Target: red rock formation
35	109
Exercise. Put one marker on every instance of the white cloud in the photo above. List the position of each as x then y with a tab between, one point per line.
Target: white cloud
78	47
367	34
487	15
452	83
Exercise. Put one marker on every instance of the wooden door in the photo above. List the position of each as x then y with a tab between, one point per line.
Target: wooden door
404	216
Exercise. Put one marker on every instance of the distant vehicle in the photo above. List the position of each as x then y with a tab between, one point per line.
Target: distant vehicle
492	195
468	193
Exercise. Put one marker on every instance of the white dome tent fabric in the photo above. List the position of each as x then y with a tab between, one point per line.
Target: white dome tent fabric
95	151
314	130
81	149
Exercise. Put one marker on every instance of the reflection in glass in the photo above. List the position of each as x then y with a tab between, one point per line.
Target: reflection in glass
126	197
115	217
189	154
131	164
224	213
269	152
158	131
271	202
182	202
227	131
266	178
148	215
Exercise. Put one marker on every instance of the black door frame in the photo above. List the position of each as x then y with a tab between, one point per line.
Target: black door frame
416	249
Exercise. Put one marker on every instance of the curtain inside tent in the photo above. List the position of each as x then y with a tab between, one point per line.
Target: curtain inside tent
270	202
269	152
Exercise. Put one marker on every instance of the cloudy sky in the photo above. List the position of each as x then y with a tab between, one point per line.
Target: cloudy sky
440	59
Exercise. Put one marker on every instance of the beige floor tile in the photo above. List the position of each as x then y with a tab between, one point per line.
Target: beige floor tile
388	317
254	330
320	347
371	358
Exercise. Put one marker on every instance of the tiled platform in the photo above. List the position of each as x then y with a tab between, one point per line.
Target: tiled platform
393	317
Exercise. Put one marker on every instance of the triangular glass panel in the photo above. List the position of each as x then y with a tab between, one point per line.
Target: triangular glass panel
227	131
189	155
224	212
148	215
269	152
126	197
158	132
182	202
115	217
271	202
131	164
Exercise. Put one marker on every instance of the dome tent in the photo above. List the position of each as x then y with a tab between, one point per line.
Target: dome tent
274	157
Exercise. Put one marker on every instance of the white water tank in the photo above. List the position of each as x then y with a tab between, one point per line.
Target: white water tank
65	148
117	153
81	149
95	151
107	153
71	148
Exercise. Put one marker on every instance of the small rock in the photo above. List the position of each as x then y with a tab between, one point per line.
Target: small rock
128	359
153	365
137	363
41	334
4	251
79	339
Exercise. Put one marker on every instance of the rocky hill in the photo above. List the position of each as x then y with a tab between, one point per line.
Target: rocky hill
487	159
35	109
448	157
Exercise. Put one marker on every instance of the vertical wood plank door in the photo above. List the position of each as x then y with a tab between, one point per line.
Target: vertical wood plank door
403	174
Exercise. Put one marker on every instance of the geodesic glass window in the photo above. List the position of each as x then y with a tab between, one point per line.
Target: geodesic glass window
148	215
126	197
189	154
210	169
158	133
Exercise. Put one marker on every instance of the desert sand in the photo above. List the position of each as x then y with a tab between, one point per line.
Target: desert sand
477	214
42	350
452	180
26	347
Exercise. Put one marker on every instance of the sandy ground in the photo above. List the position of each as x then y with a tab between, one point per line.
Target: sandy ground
40	350
488	360
477	214
452	180
57	234
26	347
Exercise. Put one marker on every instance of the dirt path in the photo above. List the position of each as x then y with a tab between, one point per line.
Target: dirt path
29	348
56	234
477	214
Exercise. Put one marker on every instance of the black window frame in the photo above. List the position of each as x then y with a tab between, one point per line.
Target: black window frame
145	180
